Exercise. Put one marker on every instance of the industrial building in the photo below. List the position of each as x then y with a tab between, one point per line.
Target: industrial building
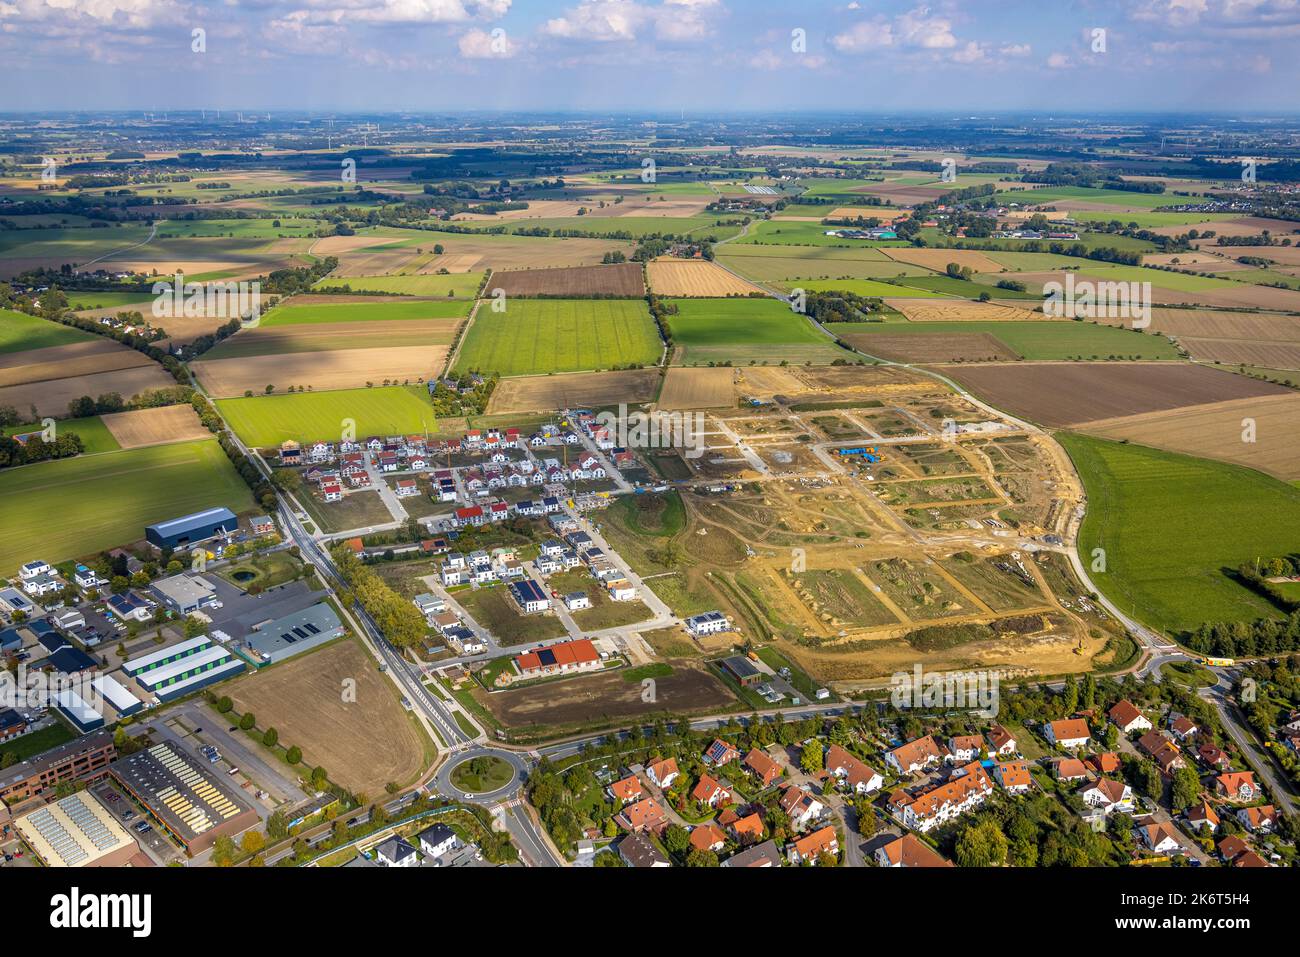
86	757
192	529
165	656
293	634
190	673
76	831
186	594
75	708
179	792
112	691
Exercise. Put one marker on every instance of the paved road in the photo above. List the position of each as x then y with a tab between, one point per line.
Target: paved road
1244	737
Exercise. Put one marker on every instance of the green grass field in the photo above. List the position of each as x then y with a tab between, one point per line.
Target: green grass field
20	332
1036	339
696	226
108	300
1172	526
461	285
867	287
75	507
1110	197
380	311
786	233
1167	278
536	336
741	330
267	420
93	432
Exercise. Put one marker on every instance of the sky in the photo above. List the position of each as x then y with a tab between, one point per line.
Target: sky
875	56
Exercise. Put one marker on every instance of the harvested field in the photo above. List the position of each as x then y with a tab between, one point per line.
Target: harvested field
695	278
1286	255
1061	394
544	393
335	336
1221	324
64	362
1268	355
141	427
51	396
343	369
938	259
363	744
1238	295
465	252
961	347
1215	431
605	697
622	279
697	389
961	310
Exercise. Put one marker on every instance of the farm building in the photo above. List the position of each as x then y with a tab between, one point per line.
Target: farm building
191	529
191	804
76	831
186	594
293	634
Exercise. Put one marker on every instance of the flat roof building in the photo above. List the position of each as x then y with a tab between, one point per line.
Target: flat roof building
743	670
187	801
112	691
294	634
85	757
186	594
164	656
191	529
75	708
76	831
190	673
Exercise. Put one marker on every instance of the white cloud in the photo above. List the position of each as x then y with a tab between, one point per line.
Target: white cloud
1015	49
866	35
481	45
915	29
972	52
607	21
1059	61
401	11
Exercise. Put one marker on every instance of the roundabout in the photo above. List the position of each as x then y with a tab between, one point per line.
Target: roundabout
481	774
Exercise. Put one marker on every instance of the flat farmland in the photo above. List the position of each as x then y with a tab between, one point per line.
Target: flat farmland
453	285
467	252
142	427
341	369
1268	355
537	336
1061	394
75	507
51	396
316	310
20	332
1221	324
694	278
334	336
268	420
961	310
619	280
363	744
784	263
954	347
1215	431
571	390
68	361
697	389
605	698
879	289
1173	527
938	259
738	330
1032	340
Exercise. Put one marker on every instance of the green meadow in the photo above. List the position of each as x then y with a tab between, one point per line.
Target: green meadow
740	330
92	431
1043	340
378	311
462	285
267	420
20	332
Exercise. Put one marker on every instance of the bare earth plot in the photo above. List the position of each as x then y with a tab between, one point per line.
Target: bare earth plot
341	369
959	310
69	361
1058	394
1268	355
622	279
959	347
170	423
362	745
543	393
51	396
1220	324
332	336
695	277
1215	431
697	389
1287	255
938	259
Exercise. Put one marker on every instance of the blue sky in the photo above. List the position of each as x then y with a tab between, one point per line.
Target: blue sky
1234	56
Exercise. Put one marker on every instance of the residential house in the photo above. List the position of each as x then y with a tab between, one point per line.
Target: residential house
1069	734
819	842
720	753
1070	769
709	791
1013	776
965	748
1108	796
909	851
438	840
627	790
1213	758
747	829
1128	718
637	850
1104	764
565	657
1184	728
1259	818
801	807
662	773
644	815
761	766
859	777
708	837
1237	786
1160	838
1001	741
576	601
396	852
915	755
1203	817
760	855
968	788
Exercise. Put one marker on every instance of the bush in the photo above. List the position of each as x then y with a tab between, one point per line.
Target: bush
225	705
247	721
293	755
271	737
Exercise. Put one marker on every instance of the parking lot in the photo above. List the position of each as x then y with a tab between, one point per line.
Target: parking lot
154	842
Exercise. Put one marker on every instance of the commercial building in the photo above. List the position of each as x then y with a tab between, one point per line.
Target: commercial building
112	691
180	793
165	656
567	656
75	708
86	757
76	831
293	634
186	594
743	670
191	529
190	673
